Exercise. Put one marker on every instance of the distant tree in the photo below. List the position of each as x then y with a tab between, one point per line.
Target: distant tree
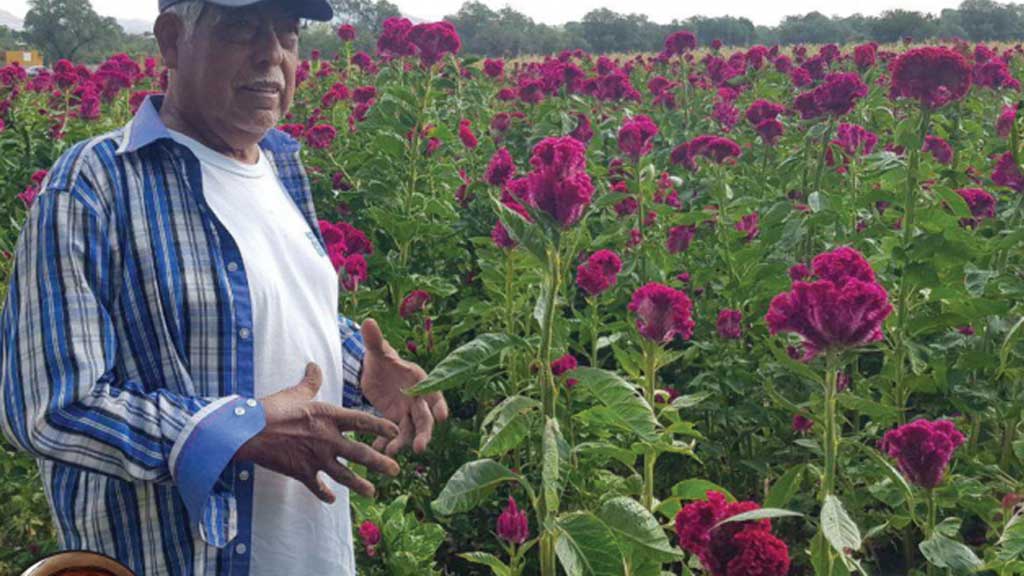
893	25
68	29
9	39
366	16
988	20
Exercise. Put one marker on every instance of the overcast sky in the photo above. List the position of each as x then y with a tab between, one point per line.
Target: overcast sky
768	12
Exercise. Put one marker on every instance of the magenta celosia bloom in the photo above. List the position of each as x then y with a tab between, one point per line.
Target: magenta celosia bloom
923	449
1005	122
981	203
854	141
434	40
844	308
413	303
734	548
749	225
1007	173
799	272
679	42
770	131
346	33
995	74
364	94
353	272
932	75
729	324
494	68
513	525
501	168
370	534
716	148
501	238
636	137
802	424
758	552
566	363
599	273
466	134
394	38
662	313
938	148
583	132
321	136
864	55
837	96
680	238
559	184
726	114
762	110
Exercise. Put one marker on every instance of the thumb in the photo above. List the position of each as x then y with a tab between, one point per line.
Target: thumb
309	386
372	337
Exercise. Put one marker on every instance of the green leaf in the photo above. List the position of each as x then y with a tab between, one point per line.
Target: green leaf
1011	542
628	409
529	235
470	484
464	363
636	527
624	455
555	457
943	552
786	487
696	489
586	546
511	424
760	514
839	529
498	568
690	400
977	279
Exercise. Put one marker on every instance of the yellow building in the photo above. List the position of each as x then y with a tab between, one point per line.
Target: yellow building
27	58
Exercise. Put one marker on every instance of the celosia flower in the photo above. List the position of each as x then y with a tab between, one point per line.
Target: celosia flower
559	184
434	40
500	169
932	75
762	110
1005	122
599	273
583	132
864	55
394	38
844	308
733	548
836	97
413	303
566	363
770	131
353	272
802	424
370	534
636	137
501	238
730	324
321	136
679	238
466	134
749	225
716	148
981	203
799	272
757	553
494	68
726	114
995	74
939	149
1008	174
923	449
346	33
513	525
662	313
679	42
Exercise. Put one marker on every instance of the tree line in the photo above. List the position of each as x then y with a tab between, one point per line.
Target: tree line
72	29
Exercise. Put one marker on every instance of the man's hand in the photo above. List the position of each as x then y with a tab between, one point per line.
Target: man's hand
385	378
303	436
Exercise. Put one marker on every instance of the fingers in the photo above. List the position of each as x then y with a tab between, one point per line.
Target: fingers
373	340
424	422
406	430
355	421
365	455
342	475
309	386
319	488
438	406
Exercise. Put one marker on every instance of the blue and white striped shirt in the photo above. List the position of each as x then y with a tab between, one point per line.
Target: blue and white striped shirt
126	353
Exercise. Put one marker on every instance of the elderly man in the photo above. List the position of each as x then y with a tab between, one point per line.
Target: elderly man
171	347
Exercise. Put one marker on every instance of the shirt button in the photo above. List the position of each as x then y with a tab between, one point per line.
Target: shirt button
240	549
243	475
244	333
239	411
232	266
251	403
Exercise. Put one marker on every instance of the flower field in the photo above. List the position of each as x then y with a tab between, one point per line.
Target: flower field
737	312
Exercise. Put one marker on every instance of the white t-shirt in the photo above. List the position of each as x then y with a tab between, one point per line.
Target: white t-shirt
294	293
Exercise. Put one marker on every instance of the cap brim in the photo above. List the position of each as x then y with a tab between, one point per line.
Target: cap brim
319	10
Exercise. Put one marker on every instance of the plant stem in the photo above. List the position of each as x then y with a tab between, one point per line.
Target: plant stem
651	456
930	528
831	442
821	157
548	390
594	320
641	267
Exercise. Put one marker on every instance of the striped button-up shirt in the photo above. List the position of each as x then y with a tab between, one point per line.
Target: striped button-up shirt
126	352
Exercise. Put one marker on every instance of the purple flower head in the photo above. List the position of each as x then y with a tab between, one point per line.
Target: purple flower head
923	449
559	184
938	148
599	273
636	137
932	75
662	313
513	525
730	324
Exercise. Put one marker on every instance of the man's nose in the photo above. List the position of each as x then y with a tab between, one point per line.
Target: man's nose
269	51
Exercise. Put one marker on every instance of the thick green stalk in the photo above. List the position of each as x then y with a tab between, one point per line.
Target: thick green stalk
594	320
641	268
930	528
650	457
549	392
831	443
821	157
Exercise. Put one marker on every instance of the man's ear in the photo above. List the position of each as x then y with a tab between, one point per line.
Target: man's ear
169	30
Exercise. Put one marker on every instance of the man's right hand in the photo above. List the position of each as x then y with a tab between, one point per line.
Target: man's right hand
303	436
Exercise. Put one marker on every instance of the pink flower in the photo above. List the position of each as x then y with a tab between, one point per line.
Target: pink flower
995	74
844	308
413	303
636	137
353	272
981	203
501	238
394	38
513	525
679	238
762	110
758	553
321	136
1005	122
799	272
364	94
716	148
583	132
730	324
836	97
599	273
501	168
770	131
749	225
566	363
679	42
346	33
466	134
923	449
864	55
370	534
662	313
932	75
559	184
339	92
494	68
434	40
1008	174
939	149
802	424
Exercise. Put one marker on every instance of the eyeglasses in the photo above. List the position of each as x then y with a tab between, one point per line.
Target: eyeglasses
244	25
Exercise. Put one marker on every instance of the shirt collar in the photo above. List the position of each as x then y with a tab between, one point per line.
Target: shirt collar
147	127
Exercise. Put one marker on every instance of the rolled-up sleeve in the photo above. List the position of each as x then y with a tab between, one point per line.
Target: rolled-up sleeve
352	353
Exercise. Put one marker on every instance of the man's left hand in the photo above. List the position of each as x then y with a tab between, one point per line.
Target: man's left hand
386	376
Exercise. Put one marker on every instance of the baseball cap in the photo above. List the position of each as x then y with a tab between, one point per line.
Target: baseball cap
310	9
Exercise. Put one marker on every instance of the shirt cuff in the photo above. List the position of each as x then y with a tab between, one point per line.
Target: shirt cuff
206	446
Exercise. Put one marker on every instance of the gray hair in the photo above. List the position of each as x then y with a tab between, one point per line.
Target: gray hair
189	12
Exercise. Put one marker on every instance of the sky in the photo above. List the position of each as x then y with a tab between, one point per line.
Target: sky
766	12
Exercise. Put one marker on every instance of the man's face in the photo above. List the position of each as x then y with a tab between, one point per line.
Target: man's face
237	72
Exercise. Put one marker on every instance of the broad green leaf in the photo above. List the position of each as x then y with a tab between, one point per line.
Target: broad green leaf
470	484
498	568
587	547
555	457
636	527
786	487
624	455
509	423
690	400
529	235
889	470
1011	542
629	410
464	364
697	488
760	514
943	552
840	530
